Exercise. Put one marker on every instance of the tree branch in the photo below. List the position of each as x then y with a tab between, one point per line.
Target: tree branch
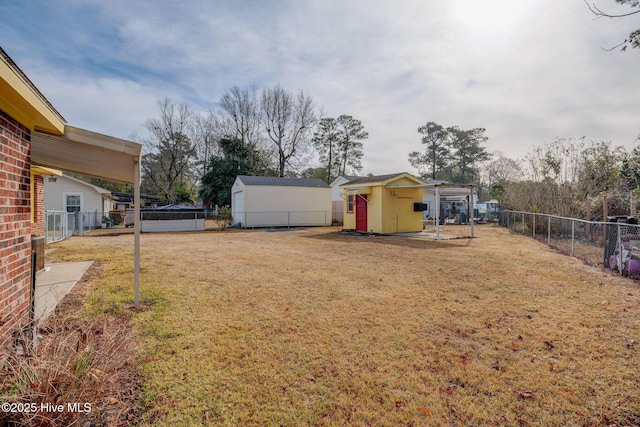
600	14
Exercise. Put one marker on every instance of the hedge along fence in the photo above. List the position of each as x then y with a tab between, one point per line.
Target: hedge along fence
614	244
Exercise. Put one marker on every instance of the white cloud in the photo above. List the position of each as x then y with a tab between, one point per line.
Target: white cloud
527	71
110	106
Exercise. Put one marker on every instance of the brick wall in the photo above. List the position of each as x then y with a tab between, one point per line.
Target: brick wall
37	187
15	227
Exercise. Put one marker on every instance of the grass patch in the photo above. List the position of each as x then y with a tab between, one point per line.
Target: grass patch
316	328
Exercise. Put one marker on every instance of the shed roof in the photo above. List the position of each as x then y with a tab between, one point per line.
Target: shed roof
345	178
444	188
380	178
373	178
286	182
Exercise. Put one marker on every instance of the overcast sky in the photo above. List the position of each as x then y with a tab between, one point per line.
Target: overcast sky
528	71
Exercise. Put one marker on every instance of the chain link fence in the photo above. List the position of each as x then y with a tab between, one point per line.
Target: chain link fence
614	244
282	219
59	225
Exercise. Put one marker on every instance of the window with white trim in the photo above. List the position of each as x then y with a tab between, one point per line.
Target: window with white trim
350	203
73	202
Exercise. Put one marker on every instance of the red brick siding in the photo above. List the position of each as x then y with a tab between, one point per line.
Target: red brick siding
37	187
15	227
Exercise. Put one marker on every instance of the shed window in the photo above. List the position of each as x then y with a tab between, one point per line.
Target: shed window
350	201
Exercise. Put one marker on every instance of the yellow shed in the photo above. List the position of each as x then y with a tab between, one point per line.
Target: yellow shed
373	205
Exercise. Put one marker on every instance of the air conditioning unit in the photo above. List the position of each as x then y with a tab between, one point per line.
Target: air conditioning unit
420	207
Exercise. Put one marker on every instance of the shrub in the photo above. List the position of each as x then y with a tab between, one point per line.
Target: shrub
78	362
223	218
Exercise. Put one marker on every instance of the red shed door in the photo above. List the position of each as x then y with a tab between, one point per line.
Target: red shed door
361	212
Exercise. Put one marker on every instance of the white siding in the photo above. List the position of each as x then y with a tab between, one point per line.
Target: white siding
54	194
237	202
335	188
266	206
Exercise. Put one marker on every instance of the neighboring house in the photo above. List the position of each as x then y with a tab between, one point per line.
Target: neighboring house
259	201
124	201
337	202
34	137
68	194
383	204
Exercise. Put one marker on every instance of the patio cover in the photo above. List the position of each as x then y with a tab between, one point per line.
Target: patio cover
90	153
444	188
57	145
356	190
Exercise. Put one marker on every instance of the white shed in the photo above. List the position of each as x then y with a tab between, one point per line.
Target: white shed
261	201
337	201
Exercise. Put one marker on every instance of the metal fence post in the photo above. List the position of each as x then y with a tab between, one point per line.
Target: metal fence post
549	231
523	228
288	219
534	225
573	235
620	260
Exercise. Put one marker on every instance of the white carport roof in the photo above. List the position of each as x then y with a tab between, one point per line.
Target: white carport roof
443	189
87	152
57	145
90	153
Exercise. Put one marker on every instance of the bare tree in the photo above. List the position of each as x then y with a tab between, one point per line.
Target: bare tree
501	169
551	184
634	38
206	135
243	118
170	152
289	121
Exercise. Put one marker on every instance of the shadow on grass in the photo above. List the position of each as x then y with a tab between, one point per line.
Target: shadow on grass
409	242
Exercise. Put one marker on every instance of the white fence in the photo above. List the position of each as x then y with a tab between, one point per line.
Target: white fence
614	244
159	220
59	225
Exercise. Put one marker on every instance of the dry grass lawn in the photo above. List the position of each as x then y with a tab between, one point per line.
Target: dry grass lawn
257	328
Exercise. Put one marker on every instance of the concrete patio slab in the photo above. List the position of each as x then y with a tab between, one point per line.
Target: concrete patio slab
431	236
53	283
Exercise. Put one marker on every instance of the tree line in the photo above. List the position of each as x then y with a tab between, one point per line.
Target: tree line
570	177
273	132
268	132
451	153
567	177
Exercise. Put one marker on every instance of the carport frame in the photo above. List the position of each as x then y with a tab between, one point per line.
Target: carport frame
90	153
443	188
